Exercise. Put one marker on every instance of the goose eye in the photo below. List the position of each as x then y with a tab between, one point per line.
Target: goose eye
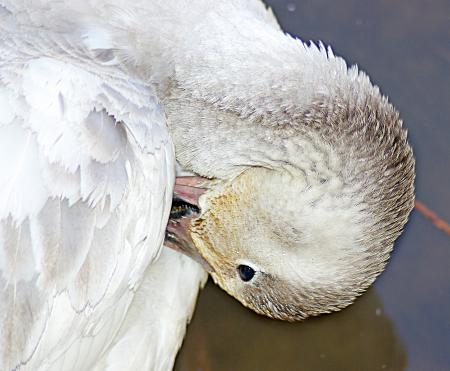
245	272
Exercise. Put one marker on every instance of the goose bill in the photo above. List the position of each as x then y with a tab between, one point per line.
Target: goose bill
184	210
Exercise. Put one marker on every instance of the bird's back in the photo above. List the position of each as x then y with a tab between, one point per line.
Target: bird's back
86	172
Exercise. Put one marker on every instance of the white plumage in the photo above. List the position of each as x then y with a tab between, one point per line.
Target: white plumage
87	172
313	175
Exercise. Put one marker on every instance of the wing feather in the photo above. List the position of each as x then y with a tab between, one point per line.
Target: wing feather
86	172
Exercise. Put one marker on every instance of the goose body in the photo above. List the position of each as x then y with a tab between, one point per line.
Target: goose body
303	175
87	173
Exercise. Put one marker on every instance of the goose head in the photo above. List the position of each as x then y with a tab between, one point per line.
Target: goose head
309	230
310	176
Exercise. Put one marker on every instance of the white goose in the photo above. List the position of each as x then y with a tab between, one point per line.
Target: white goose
312	176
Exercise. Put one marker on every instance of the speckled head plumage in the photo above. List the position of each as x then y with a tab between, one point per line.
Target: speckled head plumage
316	236
319	228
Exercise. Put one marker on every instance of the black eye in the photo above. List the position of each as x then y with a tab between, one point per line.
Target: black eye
245	272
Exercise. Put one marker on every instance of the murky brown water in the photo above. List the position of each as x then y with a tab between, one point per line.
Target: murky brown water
403	322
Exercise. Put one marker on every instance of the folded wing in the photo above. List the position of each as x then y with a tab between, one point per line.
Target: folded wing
86	177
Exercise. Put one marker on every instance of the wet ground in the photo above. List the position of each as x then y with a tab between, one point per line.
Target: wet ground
403	322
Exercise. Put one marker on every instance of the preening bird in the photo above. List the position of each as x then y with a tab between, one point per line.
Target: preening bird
299	176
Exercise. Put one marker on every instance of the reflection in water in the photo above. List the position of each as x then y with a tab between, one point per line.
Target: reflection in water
225	336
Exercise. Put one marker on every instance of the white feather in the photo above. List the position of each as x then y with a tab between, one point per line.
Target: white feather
87	170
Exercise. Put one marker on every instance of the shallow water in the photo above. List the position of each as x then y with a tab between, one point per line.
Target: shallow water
403	322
